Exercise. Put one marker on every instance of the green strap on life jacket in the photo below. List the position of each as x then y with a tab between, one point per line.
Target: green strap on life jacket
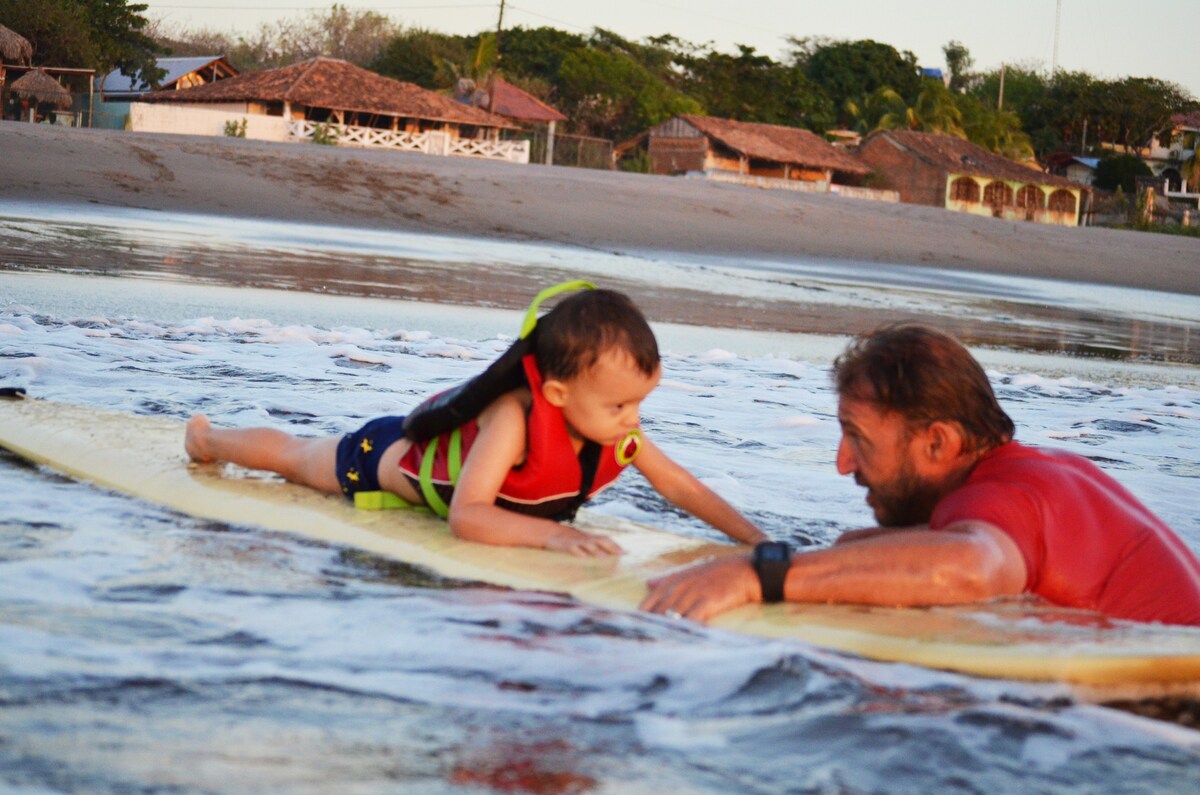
385	500
428	491
530	321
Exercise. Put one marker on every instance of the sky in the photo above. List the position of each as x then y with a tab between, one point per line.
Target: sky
1107	38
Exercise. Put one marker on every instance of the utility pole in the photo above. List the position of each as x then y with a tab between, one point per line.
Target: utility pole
490	87
1054	57
1000	103
499	27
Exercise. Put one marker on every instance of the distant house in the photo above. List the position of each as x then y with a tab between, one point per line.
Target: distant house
942	171
116	90
333	101
513	103
1082	170
1167	152
1182	142
708	144
181	73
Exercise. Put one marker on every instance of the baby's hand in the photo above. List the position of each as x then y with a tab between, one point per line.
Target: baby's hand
581	544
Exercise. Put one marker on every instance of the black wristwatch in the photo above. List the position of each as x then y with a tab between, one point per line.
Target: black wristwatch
772	559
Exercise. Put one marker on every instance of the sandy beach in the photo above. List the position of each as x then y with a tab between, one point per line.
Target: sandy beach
602	210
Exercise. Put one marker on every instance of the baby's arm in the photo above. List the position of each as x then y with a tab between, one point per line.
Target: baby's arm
474	515
681	488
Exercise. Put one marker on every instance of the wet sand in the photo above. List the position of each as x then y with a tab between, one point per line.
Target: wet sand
602	210
612	212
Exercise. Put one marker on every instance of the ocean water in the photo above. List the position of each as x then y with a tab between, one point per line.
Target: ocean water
146	651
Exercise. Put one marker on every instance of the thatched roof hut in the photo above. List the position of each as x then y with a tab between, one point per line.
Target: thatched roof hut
15	48
41	87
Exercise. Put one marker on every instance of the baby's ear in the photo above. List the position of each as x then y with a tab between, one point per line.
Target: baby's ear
555	392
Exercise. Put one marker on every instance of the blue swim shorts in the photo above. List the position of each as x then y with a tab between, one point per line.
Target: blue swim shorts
358	454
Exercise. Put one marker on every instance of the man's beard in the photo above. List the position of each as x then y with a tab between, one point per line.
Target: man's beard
907	500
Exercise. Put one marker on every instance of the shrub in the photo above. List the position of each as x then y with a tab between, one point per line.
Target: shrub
1121	172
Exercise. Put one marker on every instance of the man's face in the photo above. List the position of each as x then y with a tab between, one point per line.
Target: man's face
881	451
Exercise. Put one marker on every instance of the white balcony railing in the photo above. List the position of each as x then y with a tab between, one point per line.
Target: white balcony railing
433	142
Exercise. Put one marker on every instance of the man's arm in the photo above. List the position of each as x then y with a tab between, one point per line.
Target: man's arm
965	562
681	488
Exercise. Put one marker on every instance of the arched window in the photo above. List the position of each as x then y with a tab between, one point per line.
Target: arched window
1173	177
1062	201
1031	197
998	194
964	189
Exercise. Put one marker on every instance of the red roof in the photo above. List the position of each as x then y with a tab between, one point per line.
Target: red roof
959	156
513	103
776	143
337	85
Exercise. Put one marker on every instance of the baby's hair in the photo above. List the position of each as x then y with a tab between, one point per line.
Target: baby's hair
573	335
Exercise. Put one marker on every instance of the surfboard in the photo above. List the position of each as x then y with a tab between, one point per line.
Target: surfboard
143	456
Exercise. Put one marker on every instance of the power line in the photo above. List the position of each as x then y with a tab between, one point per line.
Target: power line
527	12
238	7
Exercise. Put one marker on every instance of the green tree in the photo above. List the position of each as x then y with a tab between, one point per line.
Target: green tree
851	70
537	52
1120	171
416	55
752	87
88	34
1136	109
867	114
468	78
934	111
997	131
958	64
610	95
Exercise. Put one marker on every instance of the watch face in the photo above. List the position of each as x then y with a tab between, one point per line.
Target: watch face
772	552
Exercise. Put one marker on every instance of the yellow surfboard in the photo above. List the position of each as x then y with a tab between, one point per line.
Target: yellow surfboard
143	457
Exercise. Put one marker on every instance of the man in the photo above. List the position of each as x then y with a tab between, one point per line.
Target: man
966	513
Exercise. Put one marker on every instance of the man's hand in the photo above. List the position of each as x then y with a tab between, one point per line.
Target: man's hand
701	592
581	544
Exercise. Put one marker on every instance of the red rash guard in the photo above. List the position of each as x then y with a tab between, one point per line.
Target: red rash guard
1086	541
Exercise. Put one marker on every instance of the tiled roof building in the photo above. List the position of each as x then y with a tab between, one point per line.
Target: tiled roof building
706	143
943	171
514	103
326	88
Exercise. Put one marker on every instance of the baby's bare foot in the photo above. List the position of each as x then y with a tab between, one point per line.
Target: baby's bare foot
195	441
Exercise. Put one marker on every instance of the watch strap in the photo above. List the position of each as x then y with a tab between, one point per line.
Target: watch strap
772	559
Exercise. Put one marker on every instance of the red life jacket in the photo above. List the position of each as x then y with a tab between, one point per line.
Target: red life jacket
550	481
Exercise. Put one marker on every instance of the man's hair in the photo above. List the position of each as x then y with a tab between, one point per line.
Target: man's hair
925	375
573	335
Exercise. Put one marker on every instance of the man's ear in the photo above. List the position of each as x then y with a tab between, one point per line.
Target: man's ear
555	392
942	443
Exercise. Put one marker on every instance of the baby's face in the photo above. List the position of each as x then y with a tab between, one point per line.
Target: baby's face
601	404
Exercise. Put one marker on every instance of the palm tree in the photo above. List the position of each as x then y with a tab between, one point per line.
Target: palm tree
470	79
868	112
1189	169
997	131
935	111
